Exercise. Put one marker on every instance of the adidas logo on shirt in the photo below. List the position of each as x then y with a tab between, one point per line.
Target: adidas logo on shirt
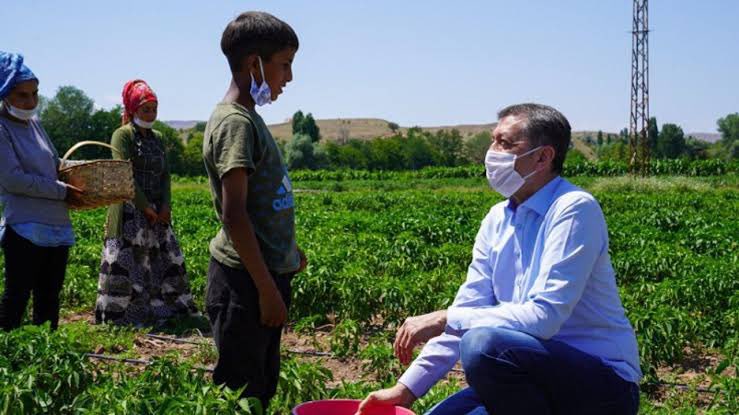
286	192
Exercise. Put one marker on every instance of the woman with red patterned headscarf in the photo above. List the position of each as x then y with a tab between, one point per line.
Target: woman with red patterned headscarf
143	280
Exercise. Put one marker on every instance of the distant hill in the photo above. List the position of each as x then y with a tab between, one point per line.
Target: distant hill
181	125
333	129
361	128
368	128
709	137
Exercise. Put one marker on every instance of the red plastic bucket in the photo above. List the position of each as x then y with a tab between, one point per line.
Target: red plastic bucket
346	407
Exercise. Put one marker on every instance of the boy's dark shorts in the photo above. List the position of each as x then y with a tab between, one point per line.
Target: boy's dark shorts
248	352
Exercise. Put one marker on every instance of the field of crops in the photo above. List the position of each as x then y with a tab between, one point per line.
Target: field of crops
383	248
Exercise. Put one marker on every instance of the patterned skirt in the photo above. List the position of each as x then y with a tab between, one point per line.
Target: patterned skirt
143	280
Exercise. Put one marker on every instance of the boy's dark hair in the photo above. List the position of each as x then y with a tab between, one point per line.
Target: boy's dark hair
256	32
545	126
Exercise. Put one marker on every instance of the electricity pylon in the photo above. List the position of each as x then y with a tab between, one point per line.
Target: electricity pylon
639	125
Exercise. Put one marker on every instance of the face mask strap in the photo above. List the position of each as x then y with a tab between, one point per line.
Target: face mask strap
535	170
530	174
261	69
529	152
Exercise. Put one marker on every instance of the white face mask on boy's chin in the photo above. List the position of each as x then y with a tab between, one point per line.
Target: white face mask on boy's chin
261	94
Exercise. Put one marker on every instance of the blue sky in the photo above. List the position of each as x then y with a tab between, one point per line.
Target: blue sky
413	62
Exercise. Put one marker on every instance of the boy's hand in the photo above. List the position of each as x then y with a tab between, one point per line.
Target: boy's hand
151	215
303	261
272	308
397	395
165	214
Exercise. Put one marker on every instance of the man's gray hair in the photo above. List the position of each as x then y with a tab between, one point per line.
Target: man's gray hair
544	126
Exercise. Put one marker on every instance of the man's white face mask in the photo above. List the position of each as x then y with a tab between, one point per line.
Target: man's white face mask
501	174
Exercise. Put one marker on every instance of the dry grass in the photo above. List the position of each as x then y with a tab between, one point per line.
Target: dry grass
368	128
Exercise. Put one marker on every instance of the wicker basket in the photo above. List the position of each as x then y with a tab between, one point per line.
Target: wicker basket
105	182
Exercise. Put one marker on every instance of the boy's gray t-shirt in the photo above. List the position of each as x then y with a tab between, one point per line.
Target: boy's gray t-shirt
236	137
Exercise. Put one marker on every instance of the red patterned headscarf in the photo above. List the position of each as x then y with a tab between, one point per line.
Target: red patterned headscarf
135	94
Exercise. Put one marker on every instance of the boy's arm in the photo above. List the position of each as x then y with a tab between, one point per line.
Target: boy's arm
237	224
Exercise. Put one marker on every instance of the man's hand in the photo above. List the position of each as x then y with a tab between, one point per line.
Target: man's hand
272	308
165	214
398	395
151	216
74	195
303	261
416	330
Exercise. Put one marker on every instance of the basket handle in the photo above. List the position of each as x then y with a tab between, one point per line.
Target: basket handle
86	143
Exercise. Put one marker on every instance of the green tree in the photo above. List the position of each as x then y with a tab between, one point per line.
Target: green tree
200	126
618	150
670	142
729	128
67	118
600	138
448	146
696	149
297	122
70	117
652	134
310	128
385	154
352	155
305	124
624	135
574	156
102	125
193	155
476	146
302	153
331	151
173	147
417	153
393	126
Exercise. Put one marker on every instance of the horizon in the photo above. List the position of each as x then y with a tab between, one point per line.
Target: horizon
447	65
708	136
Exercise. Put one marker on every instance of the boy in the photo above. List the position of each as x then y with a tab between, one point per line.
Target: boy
254	255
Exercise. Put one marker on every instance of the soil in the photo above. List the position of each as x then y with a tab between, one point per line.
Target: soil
315	347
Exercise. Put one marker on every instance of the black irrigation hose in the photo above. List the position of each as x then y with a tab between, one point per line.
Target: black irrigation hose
310	352
185	341
681	386
135	361
117	359
176	340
